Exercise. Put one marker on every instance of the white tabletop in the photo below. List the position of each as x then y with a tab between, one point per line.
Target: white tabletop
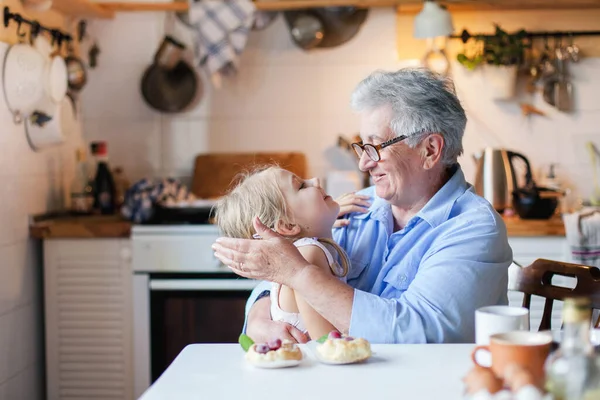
219	371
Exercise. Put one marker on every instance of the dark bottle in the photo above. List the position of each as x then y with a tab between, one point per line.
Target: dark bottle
104	184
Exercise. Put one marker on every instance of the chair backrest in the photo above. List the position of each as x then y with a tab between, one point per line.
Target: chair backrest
536	279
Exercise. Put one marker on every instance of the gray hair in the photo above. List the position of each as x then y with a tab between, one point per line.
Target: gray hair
422	102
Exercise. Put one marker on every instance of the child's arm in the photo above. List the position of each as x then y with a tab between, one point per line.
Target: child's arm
316	325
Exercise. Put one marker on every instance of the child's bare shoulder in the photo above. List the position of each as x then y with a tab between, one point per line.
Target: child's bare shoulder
314	255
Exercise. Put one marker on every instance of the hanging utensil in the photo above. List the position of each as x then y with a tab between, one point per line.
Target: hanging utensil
573	50
306	29
77	76
563	89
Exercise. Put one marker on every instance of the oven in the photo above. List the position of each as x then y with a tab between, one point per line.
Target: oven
182	294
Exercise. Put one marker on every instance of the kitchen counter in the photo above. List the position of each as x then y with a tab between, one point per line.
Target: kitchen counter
396	371
517	227
69	226
84	227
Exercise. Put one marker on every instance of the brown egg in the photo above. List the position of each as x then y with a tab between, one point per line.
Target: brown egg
481	378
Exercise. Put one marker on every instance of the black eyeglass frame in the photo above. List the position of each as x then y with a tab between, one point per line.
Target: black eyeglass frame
359	148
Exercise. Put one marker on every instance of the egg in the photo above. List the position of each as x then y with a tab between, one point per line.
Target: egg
481	378
528	392
517	377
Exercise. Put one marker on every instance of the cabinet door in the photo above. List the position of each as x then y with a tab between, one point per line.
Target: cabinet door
525	251
88	319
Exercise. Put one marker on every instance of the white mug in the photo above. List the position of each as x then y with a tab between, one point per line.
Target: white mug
498	319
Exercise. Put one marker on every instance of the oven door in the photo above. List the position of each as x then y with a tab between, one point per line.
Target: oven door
191	308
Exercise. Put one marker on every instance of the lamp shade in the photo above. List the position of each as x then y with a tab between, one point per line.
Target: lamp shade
433	21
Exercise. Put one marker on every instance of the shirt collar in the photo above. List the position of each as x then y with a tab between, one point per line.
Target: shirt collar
435	211
439	206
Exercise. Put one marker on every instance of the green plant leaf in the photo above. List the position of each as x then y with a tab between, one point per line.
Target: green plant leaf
245	341
323	338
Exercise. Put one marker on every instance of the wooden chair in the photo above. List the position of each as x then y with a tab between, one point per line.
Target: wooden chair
536	279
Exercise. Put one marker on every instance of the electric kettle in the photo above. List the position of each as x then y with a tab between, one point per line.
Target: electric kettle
495	178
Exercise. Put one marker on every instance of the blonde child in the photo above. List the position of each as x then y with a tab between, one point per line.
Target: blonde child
302	212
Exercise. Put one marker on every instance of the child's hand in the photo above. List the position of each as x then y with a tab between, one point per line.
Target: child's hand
349	203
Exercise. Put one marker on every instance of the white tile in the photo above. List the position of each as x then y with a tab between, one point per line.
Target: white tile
27	385
263	92
114	91
6	322
21	276
586	84
182	140
128	38
132	144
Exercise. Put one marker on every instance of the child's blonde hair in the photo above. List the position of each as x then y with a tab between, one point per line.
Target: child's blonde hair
257	194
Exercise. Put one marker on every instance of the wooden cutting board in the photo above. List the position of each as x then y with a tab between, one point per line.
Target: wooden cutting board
214	173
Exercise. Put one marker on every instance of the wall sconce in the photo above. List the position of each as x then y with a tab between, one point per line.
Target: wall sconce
432	22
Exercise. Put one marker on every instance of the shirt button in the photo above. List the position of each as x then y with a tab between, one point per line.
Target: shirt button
403	278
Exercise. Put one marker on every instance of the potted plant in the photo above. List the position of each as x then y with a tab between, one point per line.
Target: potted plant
500	54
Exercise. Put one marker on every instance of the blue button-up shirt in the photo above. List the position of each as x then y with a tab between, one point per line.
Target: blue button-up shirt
423	283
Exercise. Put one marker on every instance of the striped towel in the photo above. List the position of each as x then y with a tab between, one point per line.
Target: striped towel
583	235
221	30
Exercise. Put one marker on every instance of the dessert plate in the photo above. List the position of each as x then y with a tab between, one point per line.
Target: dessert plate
275	364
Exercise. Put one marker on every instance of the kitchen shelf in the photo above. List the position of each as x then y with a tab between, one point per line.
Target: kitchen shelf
90	9
404	5
275	5
82	9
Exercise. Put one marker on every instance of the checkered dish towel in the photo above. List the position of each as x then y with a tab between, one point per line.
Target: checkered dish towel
221	30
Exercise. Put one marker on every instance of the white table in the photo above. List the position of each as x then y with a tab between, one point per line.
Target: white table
219	371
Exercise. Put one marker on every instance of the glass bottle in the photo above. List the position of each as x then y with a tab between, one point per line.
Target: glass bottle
82	197
104	184
573	371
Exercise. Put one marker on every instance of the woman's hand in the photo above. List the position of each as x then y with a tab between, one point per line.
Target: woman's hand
272	259
349	203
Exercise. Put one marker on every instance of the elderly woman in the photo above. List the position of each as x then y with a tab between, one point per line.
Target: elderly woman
428	251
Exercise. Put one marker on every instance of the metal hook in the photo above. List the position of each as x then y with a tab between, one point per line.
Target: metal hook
7	16
35	30
19	21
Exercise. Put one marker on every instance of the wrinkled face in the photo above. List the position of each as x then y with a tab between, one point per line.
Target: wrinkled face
399	173
308	205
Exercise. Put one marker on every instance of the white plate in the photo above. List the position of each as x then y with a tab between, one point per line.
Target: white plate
312	345
275	364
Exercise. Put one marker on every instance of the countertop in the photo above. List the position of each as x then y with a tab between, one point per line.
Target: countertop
395	371
65	226
70	226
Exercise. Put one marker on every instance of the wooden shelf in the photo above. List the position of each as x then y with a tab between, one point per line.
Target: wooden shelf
82	9
90	9
275	5
404	5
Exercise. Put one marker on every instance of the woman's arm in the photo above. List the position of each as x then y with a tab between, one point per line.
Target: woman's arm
316	325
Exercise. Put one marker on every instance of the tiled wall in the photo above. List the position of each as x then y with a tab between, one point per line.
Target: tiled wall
32	183
286	99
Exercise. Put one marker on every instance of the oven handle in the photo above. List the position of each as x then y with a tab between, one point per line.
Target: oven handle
203	284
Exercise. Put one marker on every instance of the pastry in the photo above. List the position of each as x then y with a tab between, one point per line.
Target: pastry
341	349
275	351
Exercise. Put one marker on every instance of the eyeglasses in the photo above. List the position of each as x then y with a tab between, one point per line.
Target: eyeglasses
373	150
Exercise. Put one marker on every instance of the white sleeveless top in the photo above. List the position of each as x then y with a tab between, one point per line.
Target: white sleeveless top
294	319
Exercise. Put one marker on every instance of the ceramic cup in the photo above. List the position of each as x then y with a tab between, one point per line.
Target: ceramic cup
526	349
498	319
